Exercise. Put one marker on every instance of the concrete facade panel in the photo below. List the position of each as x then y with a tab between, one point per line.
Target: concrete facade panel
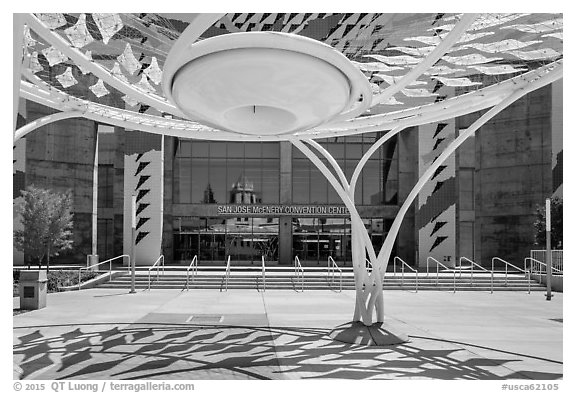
60	157
406	244
512	177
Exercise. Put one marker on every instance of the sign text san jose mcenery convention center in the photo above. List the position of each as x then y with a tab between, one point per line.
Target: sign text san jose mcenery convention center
282	210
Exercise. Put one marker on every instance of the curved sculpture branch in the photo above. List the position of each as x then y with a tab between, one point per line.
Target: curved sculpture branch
334	164
494	92
96	69
17	41
118	117
369	153
334	182
368	287
385	251
440	50
453	107
28	128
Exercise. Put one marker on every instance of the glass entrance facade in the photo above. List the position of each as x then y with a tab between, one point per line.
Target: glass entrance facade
212	239
207	176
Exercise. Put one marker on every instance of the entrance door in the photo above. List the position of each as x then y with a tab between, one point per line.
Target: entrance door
205	252
219	248
186	245
240	246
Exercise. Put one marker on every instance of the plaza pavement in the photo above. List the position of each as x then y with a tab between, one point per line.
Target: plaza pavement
246	334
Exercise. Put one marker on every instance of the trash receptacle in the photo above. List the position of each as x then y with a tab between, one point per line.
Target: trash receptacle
33	288
93	260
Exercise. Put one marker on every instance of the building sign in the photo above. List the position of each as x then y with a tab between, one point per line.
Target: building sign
282	210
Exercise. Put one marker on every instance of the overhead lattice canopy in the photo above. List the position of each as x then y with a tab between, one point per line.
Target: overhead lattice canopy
420	67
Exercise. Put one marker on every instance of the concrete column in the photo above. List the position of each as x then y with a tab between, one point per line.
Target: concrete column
167	227
285	223
407	177
556	126
95	197
118	189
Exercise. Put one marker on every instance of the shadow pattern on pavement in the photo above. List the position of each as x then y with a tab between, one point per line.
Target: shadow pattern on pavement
145	351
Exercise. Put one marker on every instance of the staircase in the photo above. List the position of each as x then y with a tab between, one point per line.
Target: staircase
316	278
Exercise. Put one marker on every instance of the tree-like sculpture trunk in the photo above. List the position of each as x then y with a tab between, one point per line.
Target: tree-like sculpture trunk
369	280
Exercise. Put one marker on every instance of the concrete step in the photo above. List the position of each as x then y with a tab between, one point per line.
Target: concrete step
322	282
271	280
323	274
297	287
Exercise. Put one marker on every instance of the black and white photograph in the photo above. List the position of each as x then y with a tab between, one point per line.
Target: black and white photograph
323	197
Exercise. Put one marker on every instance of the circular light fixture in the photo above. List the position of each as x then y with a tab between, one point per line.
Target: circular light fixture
264	83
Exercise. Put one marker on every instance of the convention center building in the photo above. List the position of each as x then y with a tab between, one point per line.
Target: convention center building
247	199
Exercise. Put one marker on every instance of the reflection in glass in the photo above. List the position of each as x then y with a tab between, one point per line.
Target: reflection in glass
213	239
203	166
270	186
200	179
218	179
377	185
318	187
315	239
300	181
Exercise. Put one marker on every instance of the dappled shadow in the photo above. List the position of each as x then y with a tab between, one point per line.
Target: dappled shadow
140	351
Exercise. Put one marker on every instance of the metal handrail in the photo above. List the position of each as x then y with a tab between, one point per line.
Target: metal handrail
472	264
227	274
263	273
298	268
409	267
557	263
331	269
101	263
438	263
540	263
157	266
506	264
194	266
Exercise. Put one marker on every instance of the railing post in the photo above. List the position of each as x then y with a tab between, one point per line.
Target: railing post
493	263
492	282
529	279
263	274
527	273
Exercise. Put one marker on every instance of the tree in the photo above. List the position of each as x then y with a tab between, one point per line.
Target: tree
556	224
47	221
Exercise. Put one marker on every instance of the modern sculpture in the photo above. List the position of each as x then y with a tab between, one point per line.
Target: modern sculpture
279	86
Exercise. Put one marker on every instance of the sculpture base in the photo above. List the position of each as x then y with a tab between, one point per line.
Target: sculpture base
378	334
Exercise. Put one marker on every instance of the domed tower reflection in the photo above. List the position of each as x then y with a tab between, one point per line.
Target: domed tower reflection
249	238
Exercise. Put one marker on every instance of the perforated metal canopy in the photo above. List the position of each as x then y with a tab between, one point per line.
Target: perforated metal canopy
420	67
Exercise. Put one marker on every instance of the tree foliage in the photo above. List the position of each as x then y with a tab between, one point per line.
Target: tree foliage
556	224
47	221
